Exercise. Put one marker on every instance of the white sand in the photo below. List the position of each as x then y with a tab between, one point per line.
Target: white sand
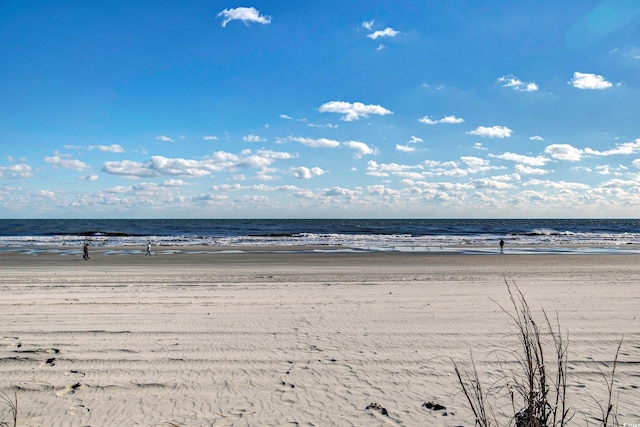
311	339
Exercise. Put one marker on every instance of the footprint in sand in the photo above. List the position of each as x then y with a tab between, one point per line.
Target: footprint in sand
78	410
70	389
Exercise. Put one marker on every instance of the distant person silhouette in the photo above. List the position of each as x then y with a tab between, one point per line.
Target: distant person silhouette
85	252
501	246
148	249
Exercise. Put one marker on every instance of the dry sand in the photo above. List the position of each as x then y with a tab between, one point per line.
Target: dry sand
297	338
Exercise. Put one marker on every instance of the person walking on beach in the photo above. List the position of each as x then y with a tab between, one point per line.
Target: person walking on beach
148	249
501	246
85	250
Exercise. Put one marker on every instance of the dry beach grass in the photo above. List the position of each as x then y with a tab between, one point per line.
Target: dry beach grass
279	338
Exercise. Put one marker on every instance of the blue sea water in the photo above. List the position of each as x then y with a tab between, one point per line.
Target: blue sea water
461	235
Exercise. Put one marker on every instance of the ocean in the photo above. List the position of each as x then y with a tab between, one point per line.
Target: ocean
452	235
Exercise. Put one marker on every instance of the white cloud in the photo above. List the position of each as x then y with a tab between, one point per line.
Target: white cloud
564	152
536	138
339	191
517	84
164	138
244	14
306	173
626	148
519	158
113	148
253	138
352	111
447	119
220	161
210	138
528	170
492	132
286	117
405	148
368	25
387	32
414	140
16	171
360	148
316	143
58	162
589	81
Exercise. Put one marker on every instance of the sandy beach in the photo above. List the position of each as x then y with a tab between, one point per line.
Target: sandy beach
290	337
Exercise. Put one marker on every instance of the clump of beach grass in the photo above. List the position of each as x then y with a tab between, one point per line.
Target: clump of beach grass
12	404
537	386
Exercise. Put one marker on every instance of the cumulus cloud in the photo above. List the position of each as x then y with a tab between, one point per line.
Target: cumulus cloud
405	148
517	84
16	171
360	148
447	119
113	148
368	25
303	172
252	138
339	191
353	111
387	32
565	152
492	131
244	14
625	148
316	143
519	158
386	169
57	162
589	81
163	166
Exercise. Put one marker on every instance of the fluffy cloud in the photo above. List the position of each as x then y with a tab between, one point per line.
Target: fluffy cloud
252	138
220	161
387	32
564	152
536	138
316	143
626	148
306	173
492	132
405	148
447	119
113	148
517	84
360	148
58	162
519	158
368	25
244	14
16	171
353	111
164	138
589	81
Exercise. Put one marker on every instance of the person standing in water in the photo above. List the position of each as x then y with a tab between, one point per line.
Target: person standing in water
501	246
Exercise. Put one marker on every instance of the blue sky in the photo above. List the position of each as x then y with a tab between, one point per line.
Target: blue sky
314	109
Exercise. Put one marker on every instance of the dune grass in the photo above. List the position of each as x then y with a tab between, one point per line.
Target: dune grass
12	404
537	387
